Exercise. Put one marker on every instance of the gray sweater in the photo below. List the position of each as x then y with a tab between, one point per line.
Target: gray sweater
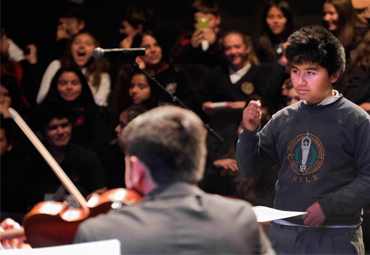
324	153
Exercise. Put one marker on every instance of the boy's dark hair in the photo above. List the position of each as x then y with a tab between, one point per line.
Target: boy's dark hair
47	111
315	44
205	6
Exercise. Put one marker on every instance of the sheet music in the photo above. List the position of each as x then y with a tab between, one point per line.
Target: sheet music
265	214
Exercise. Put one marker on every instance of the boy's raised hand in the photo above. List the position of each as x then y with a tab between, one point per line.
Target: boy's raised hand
252	115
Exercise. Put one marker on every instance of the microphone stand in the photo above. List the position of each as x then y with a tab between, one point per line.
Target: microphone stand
174	98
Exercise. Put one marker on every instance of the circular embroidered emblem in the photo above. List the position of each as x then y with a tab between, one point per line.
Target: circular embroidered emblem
305	154
247	88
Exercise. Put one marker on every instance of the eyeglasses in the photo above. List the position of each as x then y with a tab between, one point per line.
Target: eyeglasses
289	99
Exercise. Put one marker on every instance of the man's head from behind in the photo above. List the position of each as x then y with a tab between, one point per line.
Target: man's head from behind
316	45
170	142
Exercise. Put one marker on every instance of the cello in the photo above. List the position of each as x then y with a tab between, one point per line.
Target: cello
55	223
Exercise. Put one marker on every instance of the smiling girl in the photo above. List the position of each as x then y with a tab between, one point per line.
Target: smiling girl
234	83
79	54
340	18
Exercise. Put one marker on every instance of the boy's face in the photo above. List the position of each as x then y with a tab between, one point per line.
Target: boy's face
58	132
312	82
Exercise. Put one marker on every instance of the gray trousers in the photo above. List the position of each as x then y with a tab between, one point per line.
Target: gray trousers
307	240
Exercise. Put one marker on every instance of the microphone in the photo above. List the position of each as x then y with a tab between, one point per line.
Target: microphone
132	52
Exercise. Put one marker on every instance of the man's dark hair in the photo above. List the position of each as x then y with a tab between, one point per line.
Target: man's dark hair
170	142
315	44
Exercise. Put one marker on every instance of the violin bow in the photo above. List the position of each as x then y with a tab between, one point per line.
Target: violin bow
68	184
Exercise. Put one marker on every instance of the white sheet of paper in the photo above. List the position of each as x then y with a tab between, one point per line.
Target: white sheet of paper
265	214
92	248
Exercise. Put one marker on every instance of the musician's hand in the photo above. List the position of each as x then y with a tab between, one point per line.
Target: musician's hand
315	216
15	243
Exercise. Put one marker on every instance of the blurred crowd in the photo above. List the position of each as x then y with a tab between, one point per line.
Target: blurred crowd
78	105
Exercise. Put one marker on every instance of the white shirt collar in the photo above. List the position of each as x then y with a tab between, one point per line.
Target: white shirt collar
235	76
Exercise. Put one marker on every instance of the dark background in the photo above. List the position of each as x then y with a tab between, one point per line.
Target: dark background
35	21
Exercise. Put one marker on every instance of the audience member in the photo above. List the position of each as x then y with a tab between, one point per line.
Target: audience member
134	88
10	97
12	203
79	54
134	21
165	155
70	22
290	93
53	124
233	83
202	46
116	171
300	139
277	26
345	23
69	87
163	72
22	66
357	80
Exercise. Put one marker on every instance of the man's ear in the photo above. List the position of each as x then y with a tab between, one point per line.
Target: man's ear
137	171
140	177
335	76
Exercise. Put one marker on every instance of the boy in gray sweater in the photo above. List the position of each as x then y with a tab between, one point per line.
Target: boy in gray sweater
322	144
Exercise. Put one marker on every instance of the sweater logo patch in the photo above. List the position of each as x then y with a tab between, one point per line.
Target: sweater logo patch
305	154
247	88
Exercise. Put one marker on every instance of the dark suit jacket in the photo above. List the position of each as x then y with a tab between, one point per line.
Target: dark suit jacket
180	218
